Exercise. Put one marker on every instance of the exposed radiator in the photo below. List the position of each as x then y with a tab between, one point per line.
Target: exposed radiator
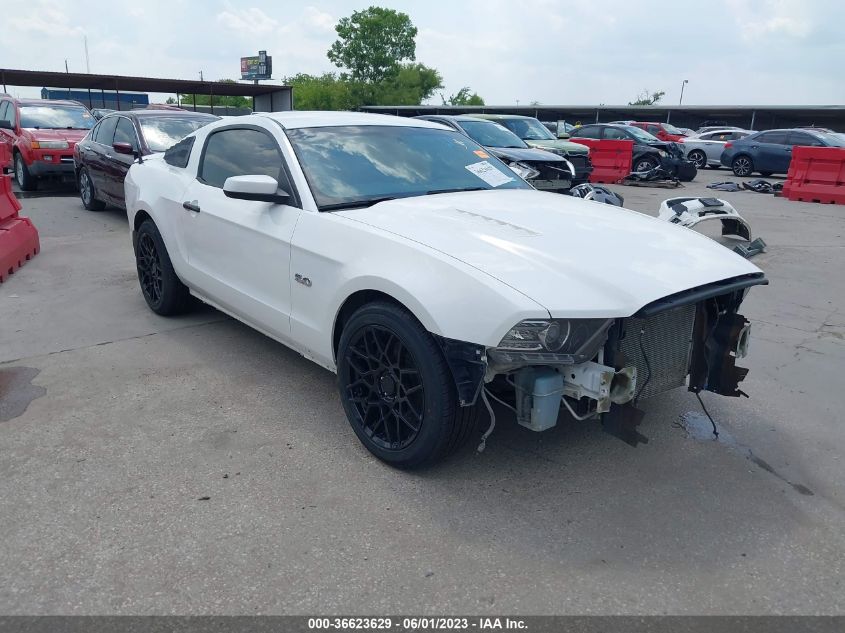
666	340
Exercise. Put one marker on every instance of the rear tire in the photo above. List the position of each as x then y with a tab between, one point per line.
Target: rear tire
397	390
163	291
698	157
742	166
25	180
87	192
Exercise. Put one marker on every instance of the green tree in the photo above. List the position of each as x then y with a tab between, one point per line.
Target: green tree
235	102
463	98
411	85
373	43
644	98
323	92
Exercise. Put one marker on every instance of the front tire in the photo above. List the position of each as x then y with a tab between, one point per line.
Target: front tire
397	390
742	166
163	291
699	158
25	180
88	193
645	163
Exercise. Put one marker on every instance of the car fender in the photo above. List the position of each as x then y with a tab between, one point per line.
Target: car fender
334	257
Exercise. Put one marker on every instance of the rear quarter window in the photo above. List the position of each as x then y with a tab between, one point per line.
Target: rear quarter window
179	154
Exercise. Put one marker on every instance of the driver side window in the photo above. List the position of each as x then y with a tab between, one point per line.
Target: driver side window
241	152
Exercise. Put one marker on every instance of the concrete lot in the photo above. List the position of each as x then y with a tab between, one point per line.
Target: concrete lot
115	424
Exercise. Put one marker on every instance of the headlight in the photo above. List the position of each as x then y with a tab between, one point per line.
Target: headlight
50	145
526	172
566	337
663	153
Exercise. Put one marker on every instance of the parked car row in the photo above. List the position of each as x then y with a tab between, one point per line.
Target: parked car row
770	152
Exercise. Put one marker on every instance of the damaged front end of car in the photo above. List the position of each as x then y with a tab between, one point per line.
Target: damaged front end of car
602	368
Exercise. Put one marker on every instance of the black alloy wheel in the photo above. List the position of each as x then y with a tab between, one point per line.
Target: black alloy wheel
385	388
163	291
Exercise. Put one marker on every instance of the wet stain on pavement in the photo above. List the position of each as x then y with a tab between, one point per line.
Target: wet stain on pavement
17	391
698	427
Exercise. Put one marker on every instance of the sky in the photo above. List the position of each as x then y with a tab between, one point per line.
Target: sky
555	52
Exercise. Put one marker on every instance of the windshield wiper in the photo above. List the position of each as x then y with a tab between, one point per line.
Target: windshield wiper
458	190
354	204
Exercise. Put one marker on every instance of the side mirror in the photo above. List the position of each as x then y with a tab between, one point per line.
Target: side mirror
563	135
6	125
258	188
123	148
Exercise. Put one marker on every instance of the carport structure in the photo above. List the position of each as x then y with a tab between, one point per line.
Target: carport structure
265	97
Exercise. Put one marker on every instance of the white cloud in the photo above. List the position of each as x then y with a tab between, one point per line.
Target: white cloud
251	21
789	18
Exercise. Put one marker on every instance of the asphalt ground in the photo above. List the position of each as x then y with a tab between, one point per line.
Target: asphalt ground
190	465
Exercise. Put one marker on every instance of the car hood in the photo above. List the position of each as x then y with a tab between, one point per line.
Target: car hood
71	136
574	257
526	153
560	144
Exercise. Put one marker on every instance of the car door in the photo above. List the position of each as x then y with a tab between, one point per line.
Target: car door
117	165
94	156
770	152
239	250
7	113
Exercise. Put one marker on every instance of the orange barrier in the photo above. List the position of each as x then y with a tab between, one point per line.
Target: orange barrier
816	174
611	159
18	236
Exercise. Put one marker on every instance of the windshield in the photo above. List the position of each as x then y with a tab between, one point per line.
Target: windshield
161	133
491	134
640	135
353	165
672	129
528	129
833	139
56	117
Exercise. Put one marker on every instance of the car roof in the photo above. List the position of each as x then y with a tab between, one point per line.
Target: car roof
453	117
49	102
503	116
301	119
162	114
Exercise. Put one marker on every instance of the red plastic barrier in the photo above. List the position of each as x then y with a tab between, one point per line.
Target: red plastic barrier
611	159
5	158
18	236
816	174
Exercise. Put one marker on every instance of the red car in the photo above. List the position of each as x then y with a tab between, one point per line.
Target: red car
663	131
40	135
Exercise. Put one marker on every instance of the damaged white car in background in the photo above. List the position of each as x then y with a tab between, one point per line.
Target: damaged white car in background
432	278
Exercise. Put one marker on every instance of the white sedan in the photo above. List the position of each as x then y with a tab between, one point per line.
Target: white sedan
431	278
705	149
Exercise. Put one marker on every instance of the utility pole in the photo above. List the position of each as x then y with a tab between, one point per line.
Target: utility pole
87	61
66	70
201	79
681	100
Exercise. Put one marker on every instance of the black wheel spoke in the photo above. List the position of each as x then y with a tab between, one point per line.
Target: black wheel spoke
382	384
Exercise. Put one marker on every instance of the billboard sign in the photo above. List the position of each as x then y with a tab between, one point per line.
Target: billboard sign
257	67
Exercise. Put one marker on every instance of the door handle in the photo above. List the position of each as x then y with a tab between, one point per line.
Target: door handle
191	206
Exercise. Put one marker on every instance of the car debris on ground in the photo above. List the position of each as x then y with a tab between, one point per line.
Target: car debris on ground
689	211
656	177
597	193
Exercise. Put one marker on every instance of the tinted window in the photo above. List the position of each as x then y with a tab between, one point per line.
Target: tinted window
653	129
56	117
587	131
4	111
802	138
179	154
352	165
615	134
527	129
240	152
125	133
772	137
105	130
162	132
491	134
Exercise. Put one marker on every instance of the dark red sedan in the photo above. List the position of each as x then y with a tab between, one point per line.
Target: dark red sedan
105	155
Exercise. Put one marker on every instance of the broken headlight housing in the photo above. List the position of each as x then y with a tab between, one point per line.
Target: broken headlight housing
564	341
526	172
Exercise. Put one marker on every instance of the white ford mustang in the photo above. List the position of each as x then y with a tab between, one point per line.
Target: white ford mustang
433	279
